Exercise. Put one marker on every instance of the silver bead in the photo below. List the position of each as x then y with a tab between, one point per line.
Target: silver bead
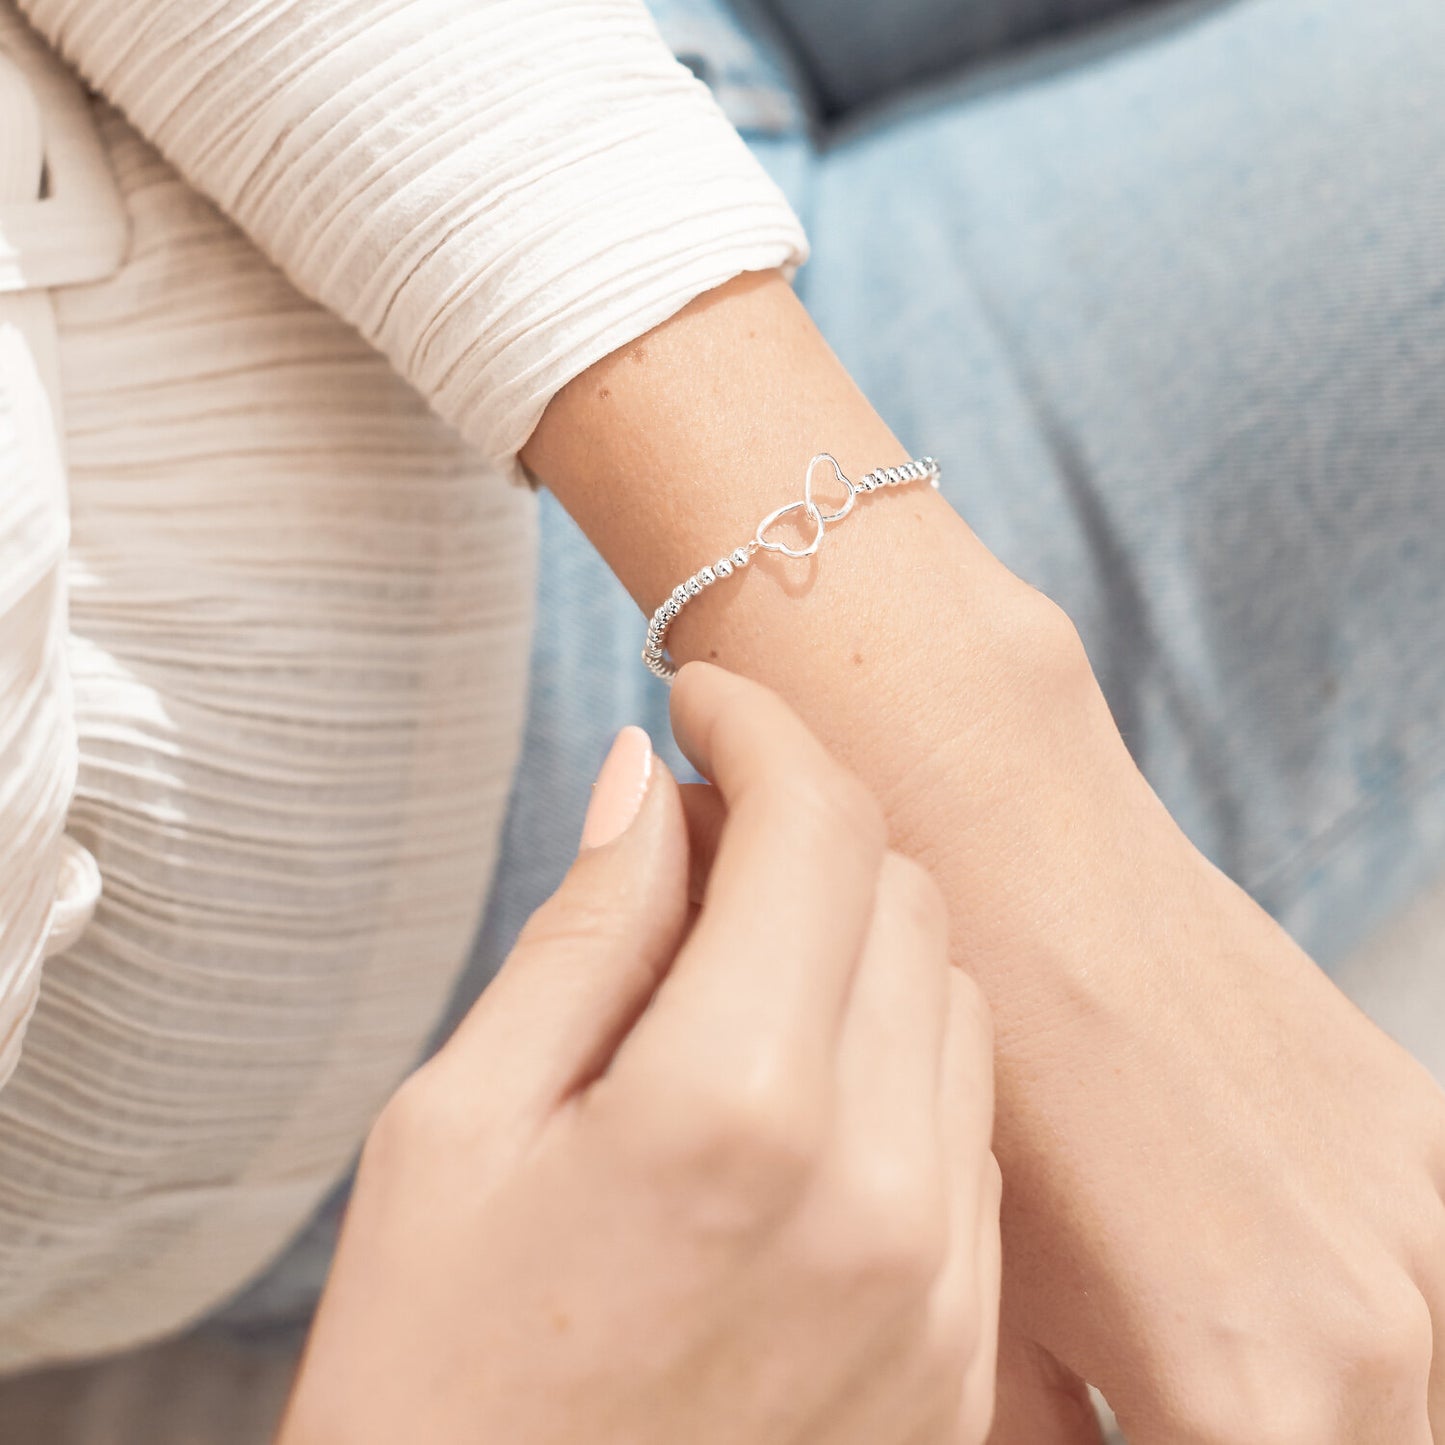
740	557
693	586
707	577
679	592
723	567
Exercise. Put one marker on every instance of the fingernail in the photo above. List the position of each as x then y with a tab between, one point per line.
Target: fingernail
620	788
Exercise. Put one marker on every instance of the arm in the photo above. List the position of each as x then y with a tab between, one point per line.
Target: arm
1222	1202
1174	1109
960	693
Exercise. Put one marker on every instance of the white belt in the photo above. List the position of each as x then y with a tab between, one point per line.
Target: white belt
61	222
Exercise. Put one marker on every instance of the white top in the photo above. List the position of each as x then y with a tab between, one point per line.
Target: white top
272	683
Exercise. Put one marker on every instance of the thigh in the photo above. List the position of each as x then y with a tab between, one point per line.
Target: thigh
856	51
1172	312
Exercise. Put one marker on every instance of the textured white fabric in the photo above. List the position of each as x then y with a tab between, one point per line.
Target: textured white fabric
281	659
491	191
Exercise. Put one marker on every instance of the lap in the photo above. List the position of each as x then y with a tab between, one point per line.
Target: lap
1174	317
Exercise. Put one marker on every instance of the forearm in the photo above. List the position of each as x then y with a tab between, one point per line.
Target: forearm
669	451
934	672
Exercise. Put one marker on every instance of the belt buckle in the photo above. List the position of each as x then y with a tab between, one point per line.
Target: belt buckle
75	229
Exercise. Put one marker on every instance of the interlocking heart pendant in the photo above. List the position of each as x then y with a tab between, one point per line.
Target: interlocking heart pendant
810	509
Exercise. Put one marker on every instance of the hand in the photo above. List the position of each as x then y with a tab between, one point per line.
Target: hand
1242	1237
708	1183
1222	1183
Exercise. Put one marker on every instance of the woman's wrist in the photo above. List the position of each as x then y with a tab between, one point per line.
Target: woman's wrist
897	635
960	695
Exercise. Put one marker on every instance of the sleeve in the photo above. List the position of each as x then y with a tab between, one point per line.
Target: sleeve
495	193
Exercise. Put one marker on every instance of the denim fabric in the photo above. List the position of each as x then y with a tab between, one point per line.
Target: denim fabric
1171	310
1184	302
858	51
1169	304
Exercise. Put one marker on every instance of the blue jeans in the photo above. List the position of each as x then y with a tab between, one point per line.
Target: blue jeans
1167	298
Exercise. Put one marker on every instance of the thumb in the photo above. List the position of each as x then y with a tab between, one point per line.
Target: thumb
589	959
1040	1402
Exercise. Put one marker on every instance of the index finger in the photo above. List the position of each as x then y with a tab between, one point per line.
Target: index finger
770	961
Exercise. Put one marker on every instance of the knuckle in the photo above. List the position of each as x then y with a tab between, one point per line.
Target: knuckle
750	1134
893	1226
1379	1347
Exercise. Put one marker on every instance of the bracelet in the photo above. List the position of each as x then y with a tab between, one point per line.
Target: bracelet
654	654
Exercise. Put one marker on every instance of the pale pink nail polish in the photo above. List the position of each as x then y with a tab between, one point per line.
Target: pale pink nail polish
620	788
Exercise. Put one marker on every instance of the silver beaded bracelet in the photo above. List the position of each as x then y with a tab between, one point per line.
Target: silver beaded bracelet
654	654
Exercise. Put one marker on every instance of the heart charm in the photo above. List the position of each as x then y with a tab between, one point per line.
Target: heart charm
814	515
810	509
838	473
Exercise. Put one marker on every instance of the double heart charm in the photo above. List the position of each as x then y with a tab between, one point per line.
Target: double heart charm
810	509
